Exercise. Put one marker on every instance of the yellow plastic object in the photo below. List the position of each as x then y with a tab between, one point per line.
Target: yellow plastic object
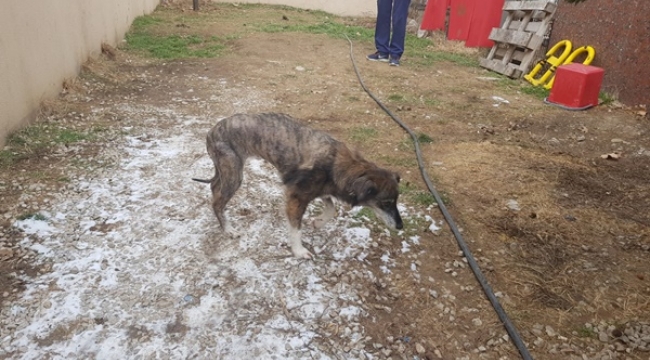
550	63
591	53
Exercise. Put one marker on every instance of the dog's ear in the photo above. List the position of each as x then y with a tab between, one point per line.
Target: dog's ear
397	177
363	189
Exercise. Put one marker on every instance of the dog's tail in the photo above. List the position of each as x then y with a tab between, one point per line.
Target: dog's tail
203	180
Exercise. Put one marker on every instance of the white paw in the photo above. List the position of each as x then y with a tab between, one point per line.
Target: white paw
301	252
232	233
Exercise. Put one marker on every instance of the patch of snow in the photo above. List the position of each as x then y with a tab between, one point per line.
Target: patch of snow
142	269
432	227
33	226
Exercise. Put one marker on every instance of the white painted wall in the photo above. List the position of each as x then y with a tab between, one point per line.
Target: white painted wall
43	42
337	7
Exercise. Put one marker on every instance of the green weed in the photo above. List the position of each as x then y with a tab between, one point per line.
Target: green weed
539	92
409	162
66	136
424	198
142	22
586	332
505	81
522	86
396	98
365	213
407	144
8	158
174	46
285	8
35	216
431	102
406	188
35	139
39	136
421	52
431	57
143	37
413	225
326	25
446	200
424	138
606	98
362	134
414	195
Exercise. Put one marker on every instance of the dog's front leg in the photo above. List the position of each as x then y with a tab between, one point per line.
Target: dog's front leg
328	213
296	207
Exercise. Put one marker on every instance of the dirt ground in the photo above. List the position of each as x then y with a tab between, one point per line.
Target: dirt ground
560	229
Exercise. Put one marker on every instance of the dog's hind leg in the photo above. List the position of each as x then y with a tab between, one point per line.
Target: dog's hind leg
229	169
296	207
328	212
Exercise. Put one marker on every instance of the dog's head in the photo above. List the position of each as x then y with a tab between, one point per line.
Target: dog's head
378	190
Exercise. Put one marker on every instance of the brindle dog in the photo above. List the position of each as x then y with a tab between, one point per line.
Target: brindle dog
312	165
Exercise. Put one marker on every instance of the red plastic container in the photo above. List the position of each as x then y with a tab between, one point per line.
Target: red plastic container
576	86
487	15
460	19
469	20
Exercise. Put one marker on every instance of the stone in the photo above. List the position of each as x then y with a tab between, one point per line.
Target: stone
6	253
602	336
513	205
537	329
550	331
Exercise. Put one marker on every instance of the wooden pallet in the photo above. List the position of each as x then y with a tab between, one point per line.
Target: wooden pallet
519	40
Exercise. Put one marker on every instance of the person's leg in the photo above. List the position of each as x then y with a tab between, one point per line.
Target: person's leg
400	16
382	29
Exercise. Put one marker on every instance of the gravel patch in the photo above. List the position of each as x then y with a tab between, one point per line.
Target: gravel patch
140	269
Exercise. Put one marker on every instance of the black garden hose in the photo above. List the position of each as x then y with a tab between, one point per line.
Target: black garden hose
507	323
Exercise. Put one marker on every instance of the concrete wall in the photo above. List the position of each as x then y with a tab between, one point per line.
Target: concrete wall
620	33
43	42
337	7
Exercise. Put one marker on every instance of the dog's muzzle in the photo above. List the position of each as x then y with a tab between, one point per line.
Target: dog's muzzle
398	221
390	217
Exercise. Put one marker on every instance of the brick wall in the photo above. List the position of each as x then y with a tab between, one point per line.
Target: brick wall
620	33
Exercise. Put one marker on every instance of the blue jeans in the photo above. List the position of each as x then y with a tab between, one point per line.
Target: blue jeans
391	15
